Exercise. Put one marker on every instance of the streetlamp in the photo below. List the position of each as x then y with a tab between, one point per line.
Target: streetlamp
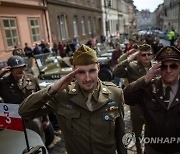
107	4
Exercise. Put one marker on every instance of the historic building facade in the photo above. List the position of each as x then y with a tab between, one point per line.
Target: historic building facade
71	19
171	17
20	22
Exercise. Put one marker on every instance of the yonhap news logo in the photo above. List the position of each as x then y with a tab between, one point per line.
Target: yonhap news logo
129	140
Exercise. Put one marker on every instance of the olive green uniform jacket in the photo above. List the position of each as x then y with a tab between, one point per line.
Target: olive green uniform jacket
132	71
96	132
160	121
13	93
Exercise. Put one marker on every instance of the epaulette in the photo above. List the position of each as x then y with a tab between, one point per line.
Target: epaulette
134	62
109	83
29	76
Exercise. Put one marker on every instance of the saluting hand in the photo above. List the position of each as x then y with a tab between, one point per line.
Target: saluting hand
133	56
63	82
4	70
152	72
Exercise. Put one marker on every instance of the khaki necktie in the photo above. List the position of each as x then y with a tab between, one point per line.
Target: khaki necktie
89	102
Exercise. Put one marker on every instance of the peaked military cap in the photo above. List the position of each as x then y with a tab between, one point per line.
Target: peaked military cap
144	47
84	56
168	53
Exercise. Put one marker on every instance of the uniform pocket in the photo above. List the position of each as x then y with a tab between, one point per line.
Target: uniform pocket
153	112
70	121
108	122
153	105
30	89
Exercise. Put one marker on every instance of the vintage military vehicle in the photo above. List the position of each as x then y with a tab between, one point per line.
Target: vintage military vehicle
52	67
105	73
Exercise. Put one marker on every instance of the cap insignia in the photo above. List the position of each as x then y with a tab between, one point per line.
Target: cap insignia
169	51
17	61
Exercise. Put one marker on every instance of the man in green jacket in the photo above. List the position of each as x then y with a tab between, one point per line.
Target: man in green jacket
89	111
132	68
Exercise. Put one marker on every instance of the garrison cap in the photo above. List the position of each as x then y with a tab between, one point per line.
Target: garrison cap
144	47
84	56
168	53
135	46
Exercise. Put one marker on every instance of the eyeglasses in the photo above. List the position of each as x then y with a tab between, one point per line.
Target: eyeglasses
172	67
146	54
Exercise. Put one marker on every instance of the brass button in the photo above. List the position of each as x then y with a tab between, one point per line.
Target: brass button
73	90
104	89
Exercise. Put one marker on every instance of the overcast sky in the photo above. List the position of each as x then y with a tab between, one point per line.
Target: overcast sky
147	4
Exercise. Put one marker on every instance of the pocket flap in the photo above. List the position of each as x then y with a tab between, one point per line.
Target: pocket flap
68	113
153	106
30	87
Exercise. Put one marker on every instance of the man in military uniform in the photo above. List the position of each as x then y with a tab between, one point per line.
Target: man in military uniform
89	111
158	94
132	68
17	86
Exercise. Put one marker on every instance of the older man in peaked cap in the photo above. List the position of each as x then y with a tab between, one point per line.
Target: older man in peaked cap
89	111
158	93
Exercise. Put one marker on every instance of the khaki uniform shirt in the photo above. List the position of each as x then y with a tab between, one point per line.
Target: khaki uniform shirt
98	131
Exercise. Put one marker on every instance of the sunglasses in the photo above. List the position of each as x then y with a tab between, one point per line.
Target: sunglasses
146	54
172	67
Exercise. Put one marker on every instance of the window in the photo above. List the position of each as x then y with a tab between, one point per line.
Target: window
10	31
35	29
83	25
63	27
89	25
94	24
75	26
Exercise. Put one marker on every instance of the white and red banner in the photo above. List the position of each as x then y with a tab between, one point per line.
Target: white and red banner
9	117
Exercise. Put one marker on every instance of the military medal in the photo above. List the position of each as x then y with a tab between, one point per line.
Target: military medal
112	106
106	117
